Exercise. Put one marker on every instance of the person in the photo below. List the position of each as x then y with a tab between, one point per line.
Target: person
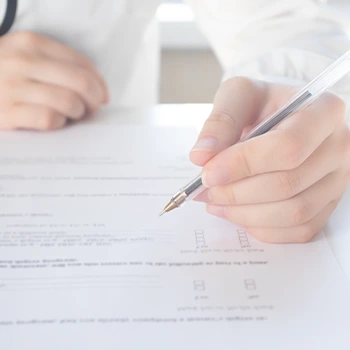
62	60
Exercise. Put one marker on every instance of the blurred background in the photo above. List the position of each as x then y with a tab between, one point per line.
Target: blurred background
190	71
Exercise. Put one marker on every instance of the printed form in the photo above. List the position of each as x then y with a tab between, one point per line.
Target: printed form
86	263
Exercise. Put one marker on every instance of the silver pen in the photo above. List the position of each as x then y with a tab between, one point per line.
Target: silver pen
301	100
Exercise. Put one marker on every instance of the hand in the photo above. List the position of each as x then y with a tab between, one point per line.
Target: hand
281	186
43	83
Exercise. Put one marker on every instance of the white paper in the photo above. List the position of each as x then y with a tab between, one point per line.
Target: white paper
86	263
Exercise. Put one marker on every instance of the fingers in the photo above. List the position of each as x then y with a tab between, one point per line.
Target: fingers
283	185
279	185
36	117
299	234
64	101
285	148
51	80
56	51
236	104
74	78
292	212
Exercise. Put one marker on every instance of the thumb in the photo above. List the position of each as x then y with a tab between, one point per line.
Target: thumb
237	104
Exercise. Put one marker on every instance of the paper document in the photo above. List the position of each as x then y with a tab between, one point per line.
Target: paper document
86	263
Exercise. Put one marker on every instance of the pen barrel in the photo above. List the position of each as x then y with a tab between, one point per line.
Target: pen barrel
193	188
330	76
303	98
299	101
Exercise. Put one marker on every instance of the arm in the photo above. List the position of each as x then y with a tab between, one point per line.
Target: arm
282	42
284	185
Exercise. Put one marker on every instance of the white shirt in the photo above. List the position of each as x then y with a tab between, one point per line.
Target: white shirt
287	41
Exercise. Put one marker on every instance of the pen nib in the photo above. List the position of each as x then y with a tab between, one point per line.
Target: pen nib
169	207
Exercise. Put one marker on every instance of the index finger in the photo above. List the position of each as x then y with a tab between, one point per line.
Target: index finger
284	148
236	104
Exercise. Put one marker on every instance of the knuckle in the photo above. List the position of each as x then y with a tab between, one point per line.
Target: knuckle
290	152
238	82
244	162
288	183
223	117
28	39
230	194
301	212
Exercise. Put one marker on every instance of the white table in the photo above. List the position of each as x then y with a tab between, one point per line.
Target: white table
193	115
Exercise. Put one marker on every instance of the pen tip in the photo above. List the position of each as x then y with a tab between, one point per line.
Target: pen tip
161	213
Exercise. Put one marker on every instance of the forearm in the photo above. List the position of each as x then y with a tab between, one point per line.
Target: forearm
290	43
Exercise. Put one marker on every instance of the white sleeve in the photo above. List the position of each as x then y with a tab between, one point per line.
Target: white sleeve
278	41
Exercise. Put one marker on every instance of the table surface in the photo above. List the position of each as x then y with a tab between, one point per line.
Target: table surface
337	230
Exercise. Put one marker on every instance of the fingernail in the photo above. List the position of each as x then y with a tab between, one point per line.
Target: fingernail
214	176
207	143
217	210
204	197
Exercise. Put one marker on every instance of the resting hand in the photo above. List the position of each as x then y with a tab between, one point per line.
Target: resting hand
43	83
281	186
